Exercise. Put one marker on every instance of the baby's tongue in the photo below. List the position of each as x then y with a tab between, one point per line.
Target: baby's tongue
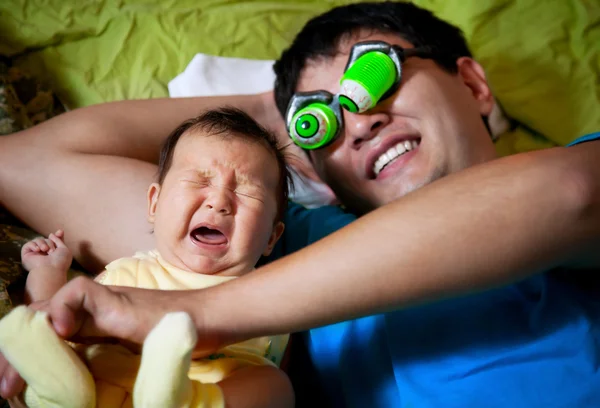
209	236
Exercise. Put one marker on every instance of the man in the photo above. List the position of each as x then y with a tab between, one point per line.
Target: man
467	224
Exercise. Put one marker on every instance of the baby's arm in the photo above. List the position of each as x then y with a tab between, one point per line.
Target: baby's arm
47	260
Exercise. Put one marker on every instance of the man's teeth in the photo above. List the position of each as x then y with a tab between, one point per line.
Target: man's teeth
392	153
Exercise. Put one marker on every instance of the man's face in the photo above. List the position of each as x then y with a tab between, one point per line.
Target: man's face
433	120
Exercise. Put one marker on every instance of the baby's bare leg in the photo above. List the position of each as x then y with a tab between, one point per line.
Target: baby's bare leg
259	386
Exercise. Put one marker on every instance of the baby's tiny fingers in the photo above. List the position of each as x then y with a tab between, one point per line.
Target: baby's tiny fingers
57	241
33	247
41	243
50	244
28	247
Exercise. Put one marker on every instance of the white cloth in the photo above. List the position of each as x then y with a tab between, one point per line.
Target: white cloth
208	75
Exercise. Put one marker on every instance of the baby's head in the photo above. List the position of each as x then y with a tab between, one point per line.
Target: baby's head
221	194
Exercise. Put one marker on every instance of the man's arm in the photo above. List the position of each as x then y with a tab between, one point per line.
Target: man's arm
137	128
483	227
98	162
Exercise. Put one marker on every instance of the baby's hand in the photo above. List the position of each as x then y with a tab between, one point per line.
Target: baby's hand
47	252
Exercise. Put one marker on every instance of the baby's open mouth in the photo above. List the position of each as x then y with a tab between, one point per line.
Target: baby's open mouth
208	236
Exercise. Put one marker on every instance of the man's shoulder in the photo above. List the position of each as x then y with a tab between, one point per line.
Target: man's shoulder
298	215
587	138
304	226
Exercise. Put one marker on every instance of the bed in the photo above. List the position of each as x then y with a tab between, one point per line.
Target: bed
542	60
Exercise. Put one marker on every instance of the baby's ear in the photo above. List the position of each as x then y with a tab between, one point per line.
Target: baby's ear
153	193
275	235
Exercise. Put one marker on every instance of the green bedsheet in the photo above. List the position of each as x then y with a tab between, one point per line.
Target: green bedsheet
542	57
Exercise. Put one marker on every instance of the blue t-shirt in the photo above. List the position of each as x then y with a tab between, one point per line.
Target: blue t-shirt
535	343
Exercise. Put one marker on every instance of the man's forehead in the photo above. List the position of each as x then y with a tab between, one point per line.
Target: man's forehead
370	35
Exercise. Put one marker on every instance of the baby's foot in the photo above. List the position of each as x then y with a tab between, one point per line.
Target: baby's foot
55	375
162	380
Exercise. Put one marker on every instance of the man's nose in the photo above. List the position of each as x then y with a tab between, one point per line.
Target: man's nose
362	127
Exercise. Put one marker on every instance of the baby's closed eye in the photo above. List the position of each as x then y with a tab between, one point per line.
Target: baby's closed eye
196	183
249	192
250	196
243	190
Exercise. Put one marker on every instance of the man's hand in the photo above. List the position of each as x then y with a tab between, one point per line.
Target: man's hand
86	311
48	252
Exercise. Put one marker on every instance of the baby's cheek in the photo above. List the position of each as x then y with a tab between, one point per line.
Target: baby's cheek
262	232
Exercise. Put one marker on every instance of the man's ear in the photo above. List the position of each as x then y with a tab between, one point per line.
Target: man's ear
275	235
153	193
474	78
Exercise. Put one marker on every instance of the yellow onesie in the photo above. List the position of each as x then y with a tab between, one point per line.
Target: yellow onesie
117	379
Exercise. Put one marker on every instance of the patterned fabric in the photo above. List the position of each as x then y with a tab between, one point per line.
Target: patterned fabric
11	272
24	101
11	240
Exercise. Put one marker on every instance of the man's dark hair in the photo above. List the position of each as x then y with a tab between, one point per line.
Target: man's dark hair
228	122
321	36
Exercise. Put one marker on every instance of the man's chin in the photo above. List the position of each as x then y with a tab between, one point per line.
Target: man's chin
361	204
385	196
378	195
403	188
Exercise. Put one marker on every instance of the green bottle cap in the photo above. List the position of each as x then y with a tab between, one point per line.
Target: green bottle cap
314	126
366	81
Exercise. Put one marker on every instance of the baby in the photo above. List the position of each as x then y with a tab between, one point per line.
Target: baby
216	209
